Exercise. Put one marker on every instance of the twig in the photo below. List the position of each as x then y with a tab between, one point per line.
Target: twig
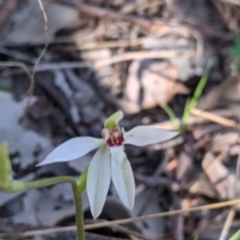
24	68
143	55
70	229
196	120
231	213
227	225
52	67
116	59
213	117
165	214
106	44
235	2
17	55
62	65
45	19
127	220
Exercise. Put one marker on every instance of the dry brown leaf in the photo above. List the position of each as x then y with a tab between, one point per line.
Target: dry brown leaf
220	177
225	94
133	82
223	141
159	86
157	81
202	186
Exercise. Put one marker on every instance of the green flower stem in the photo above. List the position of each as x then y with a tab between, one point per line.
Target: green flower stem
48	182
76	196
79	212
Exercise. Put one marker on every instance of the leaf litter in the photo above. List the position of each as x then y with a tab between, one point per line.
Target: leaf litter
136	56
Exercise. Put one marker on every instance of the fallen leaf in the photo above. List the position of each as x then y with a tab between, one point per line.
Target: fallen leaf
202	186
159	84
227	93
224	141
151	83
220	177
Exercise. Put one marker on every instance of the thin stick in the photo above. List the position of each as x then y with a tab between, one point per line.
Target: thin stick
231	213
107	44
143	55
235	2
24	68
193	120
213	117
227	225
164	214
45	19
127	220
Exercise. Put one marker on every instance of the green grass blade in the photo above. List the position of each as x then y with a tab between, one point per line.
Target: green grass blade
235	236
197	93
171	115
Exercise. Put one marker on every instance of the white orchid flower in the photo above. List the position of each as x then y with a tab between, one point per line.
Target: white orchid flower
110	160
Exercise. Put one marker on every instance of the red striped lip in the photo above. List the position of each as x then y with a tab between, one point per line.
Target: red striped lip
115	139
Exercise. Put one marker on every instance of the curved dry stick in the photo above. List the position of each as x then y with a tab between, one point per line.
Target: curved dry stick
24	68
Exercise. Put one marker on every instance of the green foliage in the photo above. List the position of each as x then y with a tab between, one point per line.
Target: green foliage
190	103
5	166
235	236
234	52
172	116
7	184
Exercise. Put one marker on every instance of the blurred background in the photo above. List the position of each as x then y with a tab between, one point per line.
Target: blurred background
174	64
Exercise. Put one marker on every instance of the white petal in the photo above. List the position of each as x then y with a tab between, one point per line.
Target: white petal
123	179
98	180
72	149
145	135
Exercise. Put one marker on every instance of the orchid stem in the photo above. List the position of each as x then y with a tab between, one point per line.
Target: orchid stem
77	198
48	182
79	212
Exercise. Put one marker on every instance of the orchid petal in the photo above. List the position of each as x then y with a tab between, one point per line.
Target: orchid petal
123	179
145	135
72	149
98	180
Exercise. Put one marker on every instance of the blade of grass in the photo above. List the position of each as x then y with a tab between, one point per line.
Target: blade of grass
235	236
197	93
173	118
186	112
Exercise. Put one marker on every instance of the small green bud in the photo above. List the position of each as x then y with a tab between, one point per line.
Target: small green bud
15	186
7	184
5	166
